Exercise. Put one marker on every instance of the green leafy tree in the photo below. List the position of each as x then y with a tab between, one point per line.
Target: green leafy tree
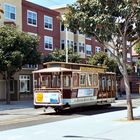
137	48
60	55
101	58
16	49
114	23
1	12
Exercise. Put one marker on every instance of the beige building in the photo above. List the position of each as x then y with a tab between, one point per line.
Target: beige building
21	81
81	44
12	12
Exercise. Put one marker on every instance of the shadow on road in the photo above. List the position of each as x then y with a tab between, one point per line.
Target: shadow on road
90	110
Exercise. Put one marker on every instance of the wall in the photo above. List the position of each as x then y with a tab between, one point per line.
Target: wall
18	6
39	30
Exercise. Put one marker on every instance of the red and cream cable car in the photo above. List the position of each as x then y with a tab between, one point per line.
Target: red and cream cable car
62	85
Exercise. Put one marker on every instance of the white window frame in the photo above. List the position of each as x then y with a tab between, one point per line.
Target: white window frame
81	47
24	78
88	49
32	34
49	20
63	44
9	12
88	37
49	40
128	57
32	18
97	49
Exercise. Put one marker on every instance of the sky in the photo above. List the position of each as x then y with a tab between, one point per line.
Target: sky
52	3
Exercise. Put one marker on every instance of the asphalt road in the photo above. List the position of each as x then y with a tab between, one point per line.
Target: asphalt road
29	117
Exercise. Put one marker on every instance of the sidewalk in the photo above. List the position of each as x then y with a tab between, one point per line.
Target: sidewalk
133	96
105	126
16	105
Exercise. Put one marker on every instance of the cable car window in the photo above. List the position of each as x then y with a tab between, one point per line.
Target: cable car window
89	80
109	83
46	81
82	79
103	83
95	79
67	81
35	84
75	79
55	80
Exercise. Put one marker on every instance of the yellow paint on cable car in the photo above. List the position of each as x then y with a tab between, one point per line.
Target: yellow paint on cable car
39	97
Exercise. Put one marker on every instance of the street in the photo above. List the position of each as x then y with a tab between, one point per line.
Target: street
91	124
16	118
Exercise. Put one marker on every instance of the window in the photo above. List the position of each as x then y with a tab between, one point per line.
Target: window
68	43
89	80
10	12
88	50
32	65
75	79
35	84
62	27
75	47
98	49
128	57
32	18
95	80
62	44
83	79
46	81
32	34
66	81
55	81
71	44
48	22
103	83
88	37
24	83
82	47
48	43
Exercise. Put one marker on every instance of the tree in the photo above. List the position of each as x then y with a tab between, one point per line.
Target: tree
114	23
101	58
59	55
16	49
1	12
137	48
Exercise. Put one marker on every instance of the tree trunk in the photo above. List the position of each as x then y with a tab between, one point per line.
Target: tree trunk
128	97
7	78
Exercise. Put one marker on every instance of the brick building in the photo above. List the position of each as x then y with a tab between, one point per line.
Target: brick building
35	20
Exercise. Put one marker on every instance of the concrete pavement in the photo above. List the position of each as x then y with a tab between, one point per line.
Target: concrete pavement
106	126
19	109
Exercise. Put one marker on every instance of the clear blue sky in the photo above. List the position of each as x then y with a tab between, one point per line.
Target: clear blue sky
52	3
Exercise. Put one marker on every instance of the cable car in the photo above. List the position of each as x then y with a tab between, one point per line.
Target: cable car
63	85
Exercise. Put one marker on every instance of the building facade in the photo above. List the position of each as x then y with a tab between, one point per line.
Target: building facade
46	24
43	22
35	20
83	44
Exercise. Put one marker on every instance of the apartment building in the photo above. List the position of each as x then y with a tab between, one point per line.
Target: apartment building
35	20
12	12
12	15
83	44
43	22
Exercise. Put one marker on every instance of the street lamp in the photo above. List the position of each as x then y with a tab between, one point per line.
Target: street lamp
66	36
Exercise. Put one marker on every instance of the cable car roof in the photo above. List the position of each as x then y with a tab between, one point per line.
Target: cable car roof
53	69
